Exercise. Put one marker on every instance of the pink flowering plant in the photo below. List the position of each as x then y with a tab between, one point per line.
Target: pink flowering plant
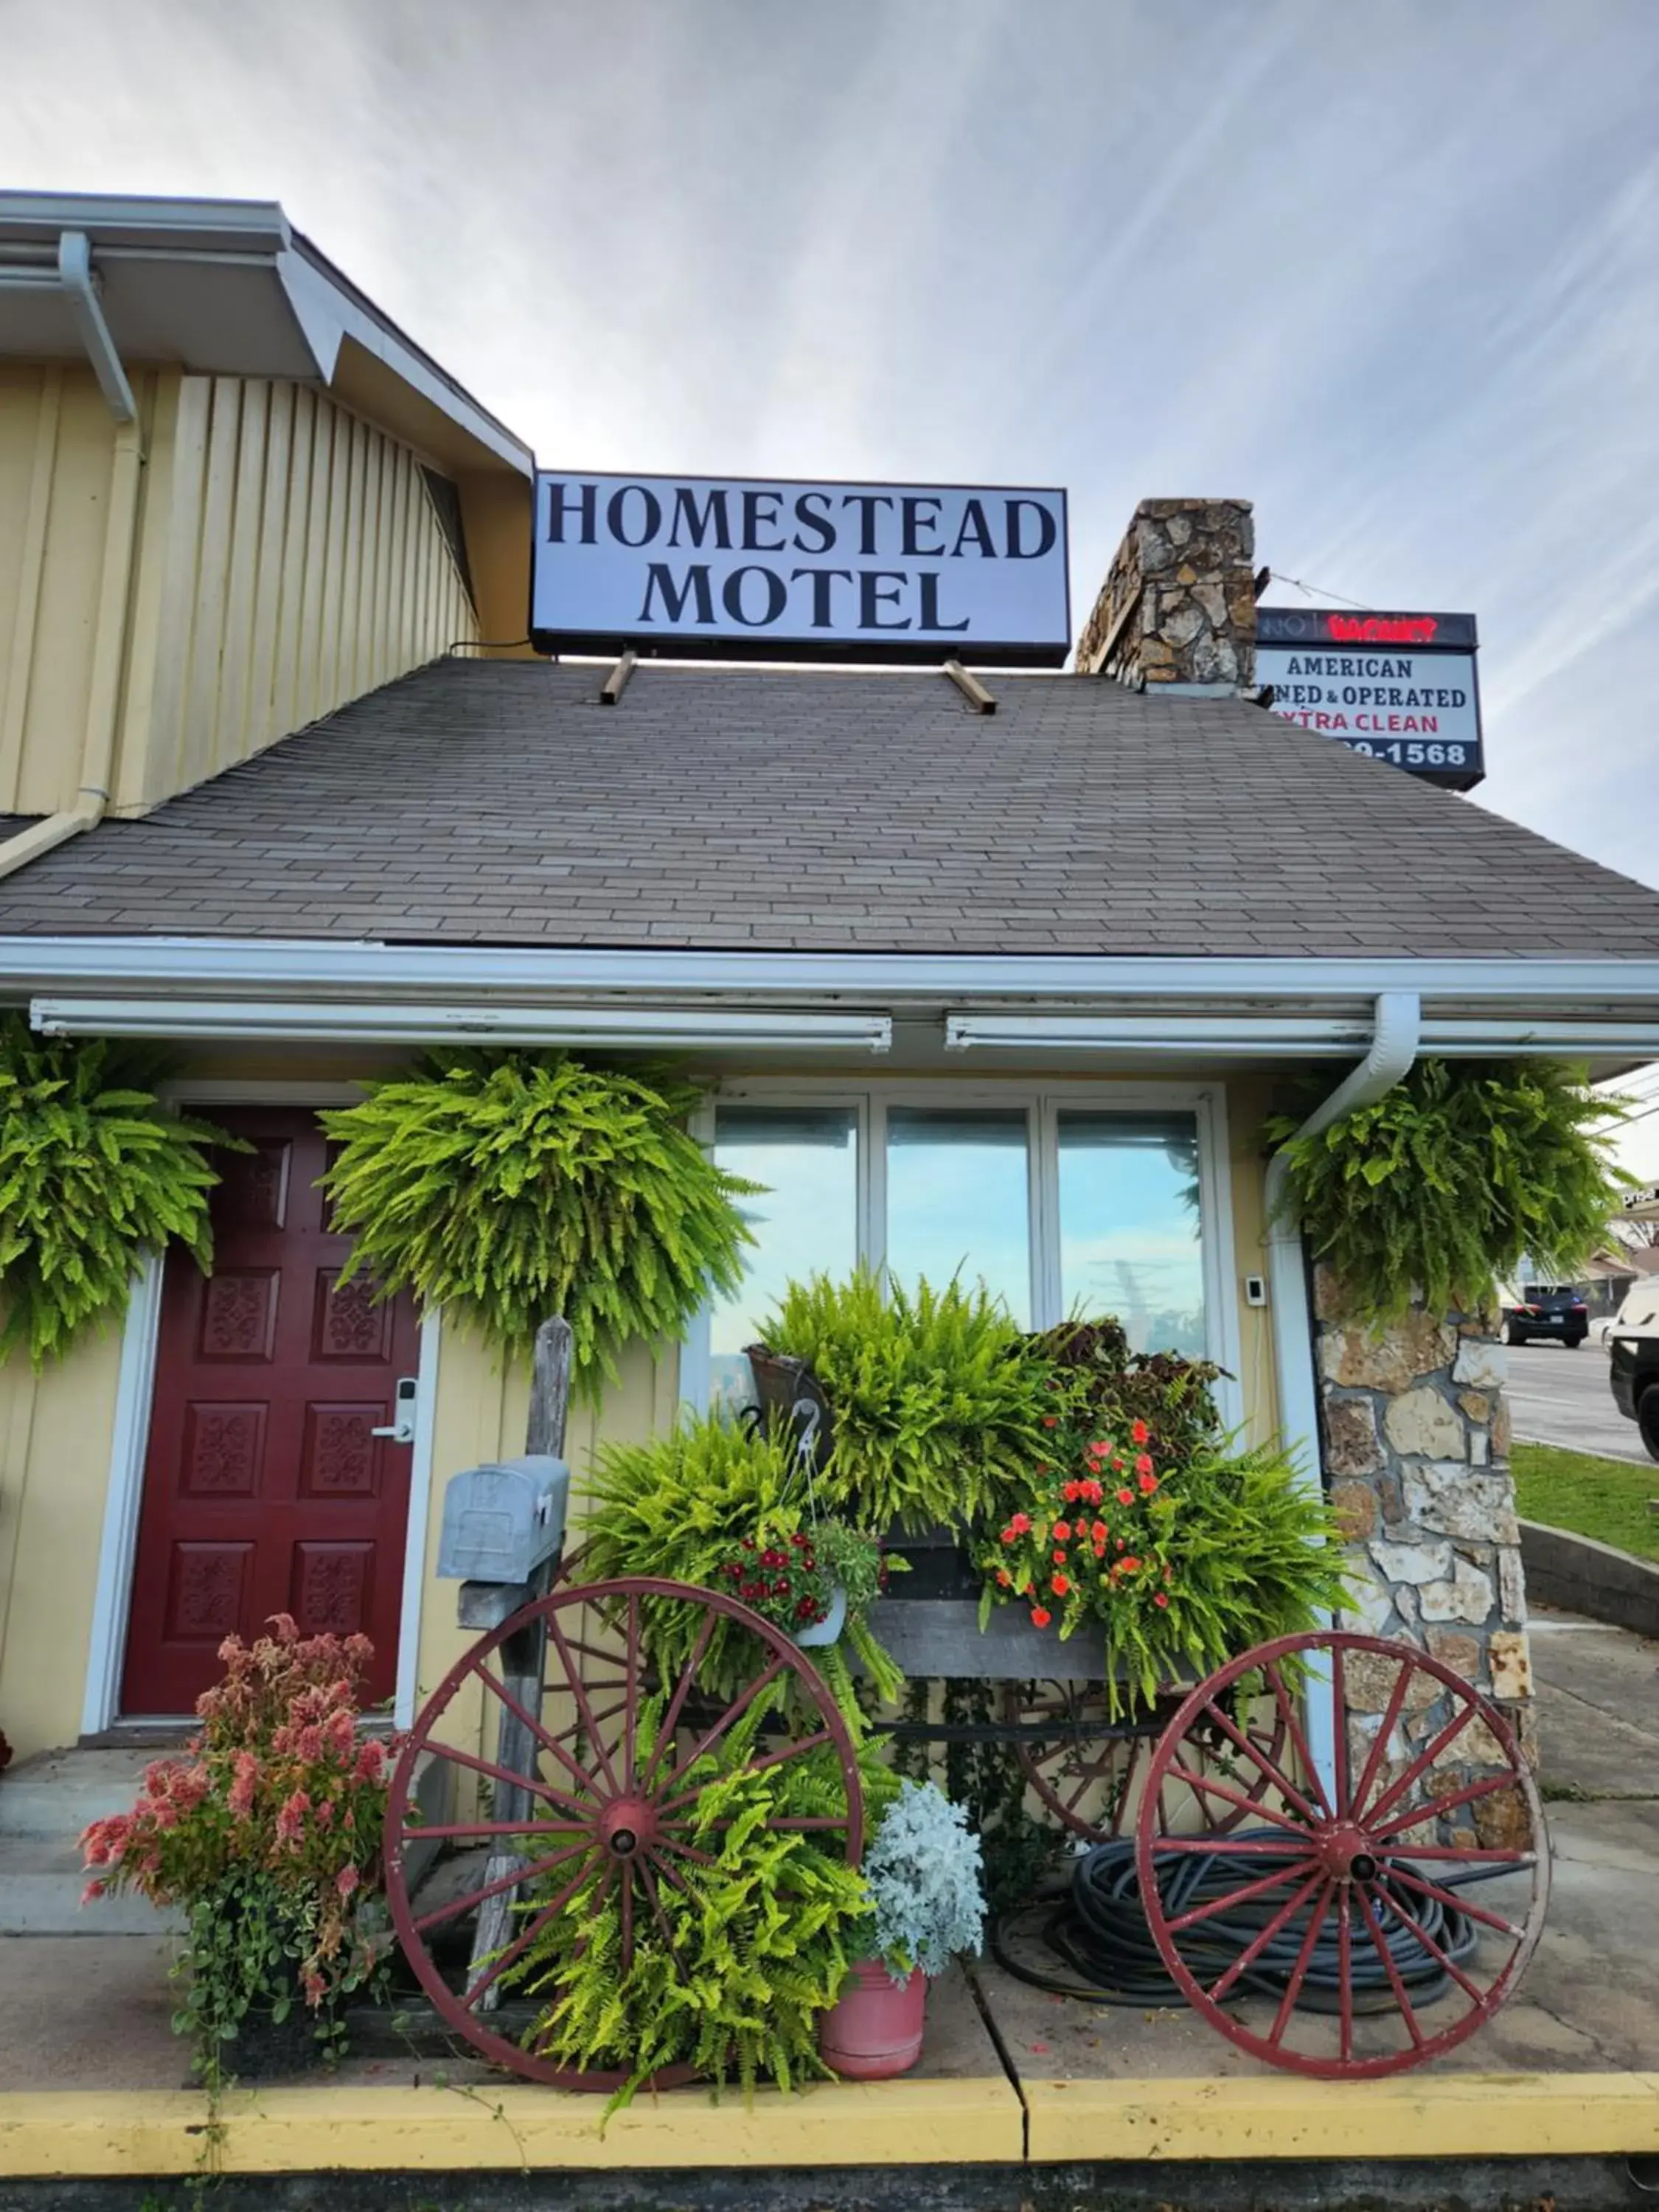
267	1835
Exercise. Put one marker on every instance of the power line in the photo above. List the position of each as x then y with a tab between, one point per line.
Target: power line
1315	590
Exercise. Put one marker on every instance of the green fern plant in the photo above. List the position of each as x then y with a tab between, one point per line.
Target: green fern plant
686	1505
509	1186
737	1955
1440	1187
94	1172
936	1401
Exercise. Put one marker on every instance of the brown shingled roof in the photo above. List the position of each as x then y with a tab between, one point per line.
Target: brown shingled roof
501	804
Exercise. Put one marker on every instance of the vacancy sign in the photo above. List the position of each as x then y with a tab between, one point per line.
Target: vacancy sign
1398	687
736	569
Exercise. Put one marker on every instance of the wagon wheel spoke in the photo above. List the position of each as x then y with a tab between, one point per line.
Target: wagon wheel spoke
533	1783
1344	1976
686	1851
625	1906
653	1898
521	1943
630	1704
1398	1871
682	1690
1384	1952
1378	1756
532	1727
519	1876
778	1758
1478	1855
1339	1733
1435	1949
1268	1767
1228	1846
1264	1936
1264	1884
728	1719
1252	1805
1292	1726
1316	1920
1425	1761
578	1691
1492	1786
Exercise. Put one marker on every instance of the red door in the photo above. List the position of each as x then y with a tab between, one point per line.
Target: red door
265	1489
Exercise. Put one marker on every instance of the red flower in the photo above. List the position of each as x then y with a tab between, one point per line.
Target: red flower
1020	1524
1093	1492
1126	1497
1059	1585
347	1880
1139	1433
1100	1532
1004	1578
1131	1564
1072	1492
1051	1420
1063	1532
1144	1464
1058	1557
1148	1485
1041	1616
1159	1599
1007	1536
1099	1448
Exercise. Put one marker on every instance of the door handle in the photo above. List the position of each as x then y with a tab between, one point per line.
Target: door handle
402	1429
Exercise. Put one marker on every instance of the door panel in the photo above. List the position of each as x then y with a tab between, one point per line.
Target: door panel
265	1490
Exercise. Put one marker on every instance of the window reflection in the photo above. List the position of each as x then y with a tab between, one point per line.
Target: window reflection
1130	1232
805	1220
957	1201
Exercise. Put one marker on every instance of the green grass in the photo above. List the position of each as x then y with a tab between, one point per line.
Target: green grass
1605	1498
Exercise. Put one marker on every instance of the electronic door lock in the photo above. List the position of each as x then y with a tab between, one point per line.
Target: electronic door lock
402	1430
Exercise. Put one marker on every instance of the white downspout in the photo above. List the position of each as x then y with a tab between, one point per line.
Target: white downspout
1393	1048
109	636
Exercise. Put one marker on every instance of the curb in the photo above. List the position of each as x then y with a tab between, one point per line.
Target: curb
64	2135
1597	1580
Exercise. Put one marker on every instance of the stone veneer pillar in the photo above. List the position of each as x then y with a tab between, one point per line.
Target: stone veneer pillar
1415	1439
1178	605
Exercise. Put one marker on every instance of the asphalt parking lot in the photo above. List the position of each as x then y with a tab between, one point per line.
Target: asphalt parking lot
1561	1397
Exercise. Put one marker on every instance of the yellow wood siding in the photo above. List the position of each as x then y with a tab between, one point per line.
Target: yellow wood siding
287	558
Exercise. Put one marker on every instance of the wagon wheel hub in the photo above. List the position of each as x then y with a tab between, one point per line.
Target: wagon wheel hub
1346	1852
627	1827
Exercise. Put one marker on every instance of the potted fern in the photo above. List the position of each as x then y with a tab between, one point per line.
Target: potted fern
924	1880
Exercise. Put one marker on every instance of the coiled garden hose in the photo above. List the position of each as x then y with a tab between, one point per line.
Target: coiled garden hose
1097	1930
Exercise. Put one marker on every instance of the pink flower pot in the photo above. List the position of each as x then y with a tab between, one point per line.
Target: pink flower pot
875	2028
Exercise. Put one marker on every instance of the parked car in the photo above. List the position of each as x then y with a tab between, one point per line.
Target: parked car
1548	1309
1633	1365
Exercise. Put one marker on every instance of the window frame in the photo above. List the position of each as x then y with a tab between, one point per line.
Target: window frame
1043	1102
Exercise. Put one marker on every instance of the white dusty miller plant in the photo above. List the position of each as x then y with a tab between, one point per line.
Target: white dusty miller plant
924	1876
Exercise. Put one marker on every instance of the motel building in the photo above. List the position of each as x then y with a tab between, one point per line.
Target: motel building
994	947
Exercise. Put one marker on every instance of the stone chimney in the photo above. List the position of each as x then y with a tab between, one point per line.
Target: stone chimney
1177	610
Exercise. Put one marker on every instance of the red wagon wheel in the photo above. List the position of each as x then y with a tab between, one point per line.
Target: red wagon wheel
1363	1923
613	1790
1094	1784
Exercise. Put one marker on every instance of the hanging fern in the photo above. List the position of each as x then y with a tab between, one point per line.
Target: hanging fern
94	1173
1442	1186
509	1186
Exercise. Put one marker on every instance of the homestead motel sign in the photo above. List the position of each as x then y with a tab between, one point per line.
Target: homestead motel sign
729	570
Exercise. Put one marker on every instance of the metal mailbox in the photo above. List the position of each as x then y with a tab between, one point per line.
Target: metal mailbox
503	1519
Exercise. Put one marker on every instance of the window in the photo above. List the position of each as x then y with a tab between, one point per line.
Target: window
805	1219
1068	1201
1130	1233
958	1199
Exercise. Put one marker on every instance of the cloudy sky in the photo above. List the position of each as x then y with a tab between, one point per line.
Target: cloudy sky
1387	268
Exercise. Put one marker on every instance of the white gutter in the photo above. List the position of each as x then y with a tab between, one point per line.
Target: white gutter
1393	1048
250	967
252	1020
75	274
1308	1036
